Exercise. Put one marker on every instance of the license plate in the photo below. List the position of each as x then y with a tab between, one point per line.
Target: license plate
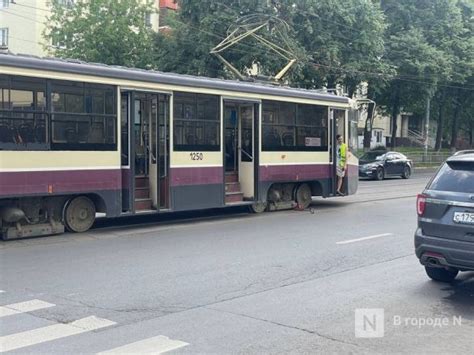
463	217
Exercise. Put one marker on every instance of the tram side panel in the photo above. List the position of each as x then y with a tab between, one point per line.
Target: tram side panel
196	180
283	173
36	187
196	159
295	160
59	161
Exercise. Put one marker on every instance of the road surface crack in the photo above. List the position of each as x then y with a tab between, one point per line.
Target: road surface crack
314	332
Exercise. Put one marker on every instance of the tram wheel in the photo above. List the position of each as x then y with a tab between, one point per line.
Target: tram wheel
303	196
258	207
79	214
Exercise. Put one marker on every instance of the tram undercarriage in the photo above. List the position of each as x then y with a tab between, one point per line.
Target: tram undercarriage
38	216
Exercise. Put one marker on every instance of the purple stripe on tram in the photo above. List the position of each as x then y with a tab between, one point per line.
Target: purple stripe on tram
54	182
294	172
197	176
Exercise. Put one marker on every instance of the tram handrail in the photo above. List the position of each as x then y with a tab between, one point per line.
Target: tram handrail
247	154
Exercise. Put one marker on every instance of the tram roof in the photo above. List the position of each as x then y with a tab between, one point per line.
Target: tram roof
102	70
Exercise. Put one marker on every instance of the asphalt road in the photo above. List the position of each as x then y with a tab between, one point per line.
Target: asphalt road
233	282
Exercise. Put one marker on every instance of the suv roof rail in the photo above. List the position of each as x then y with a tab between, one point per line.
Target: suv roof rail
462	152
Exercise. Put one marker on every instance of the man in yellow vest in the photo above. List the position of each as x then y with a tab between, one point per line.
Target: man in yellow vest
341	163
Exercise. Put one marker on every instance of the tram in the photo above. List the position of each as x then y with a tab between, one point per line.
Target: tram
79	139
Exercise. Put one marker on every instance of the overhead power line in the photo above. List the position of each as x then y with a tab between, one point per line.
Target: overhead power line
406	78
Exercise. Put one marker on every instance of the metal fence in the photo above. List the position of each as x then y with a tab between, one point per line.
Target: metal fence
431	158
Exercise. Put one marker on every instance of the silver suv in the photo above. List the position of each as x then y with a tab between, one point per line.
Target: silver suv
444	239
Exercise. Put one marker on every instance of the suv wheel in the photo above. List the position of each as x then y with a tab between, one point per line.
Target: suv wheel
440	274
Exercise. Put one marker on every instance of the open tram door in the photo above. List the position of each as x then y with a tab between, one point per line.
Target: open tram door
241	119
145	151
344	122
338	125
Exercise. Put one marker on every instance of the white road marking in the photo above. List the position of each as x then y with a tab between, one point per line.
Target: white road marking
22	307
156	345
52	332
364	238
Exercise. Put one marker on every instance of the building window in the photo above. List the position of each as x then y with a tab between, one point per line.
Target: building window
3	37
58	40
148	20
196	122
294	127
68	3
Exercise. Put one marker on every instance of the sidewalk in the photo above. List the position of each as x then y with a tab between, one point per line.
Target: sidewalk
426	169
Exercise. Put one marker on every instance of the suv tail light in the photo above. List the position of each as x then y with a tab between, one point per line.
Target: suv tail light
420	204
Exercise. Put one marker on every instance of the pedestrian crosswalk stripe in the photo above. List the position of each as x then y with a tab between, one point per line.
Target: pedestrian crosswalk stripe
156	345
22	307
51	332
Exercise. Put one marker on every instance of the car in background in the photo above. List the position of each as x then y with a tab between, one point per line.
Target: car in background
444	239
381	164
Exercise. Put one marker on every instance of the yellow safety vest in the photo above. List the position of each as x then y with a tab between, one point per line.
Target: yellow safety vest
342	154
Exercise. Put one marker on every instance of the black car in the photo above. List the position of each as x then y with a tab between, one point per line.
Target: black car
380	164
444	239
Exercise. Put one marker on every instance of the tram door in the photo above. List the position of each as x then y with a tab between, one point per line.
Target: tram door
239	144
149	150
338	126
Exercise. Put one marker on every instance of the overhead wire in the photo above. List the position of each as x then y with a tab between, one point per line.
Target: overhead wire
332	34
351	71
415	78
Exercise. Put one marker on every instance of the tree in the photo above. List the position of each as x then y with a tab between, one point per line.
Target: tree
343	40
105	31
201	25
327	53
416	46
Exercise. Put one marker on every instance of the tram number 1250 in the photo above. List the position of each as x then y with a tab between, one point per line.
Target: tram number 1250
196	156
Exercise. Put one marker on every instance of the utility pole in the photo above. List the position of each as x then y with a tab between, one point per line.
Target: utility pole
427	126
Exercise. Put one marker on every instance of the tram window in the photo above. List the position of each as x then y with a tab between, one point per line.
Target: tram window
196	122
4	93
68	97
287	114
100	100
294	127
312	132
83	116
22	116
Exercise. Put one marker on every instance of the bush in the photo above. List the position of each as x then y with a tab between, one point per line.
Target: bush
378	148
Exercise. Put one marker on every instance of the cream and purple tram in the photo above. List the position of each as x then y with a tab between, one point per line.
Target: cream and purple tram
78	140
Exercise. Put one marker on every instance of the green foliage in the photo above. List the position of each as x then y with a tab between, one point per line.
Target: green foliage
344	41
430	44
105	31
333	43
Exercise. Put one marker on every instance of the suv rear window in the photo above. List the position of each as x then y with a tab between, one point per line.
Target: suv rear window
455	176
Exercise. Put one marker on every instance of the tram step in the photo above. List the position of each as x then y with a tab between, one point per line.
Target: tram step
143	204
141	181
142	192
234	197
232	187
231	177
